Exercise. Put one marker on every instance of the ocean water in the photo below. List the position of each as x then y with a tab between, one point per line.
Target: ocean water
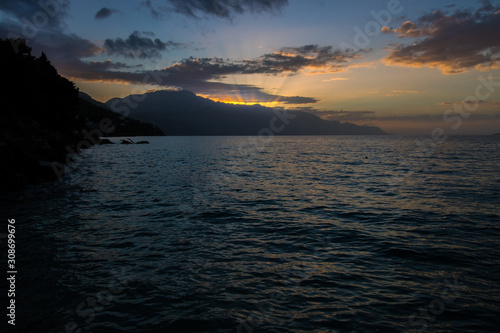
288	234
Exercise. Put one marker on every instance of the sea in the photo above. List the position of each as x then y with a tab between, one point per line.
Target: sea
262	234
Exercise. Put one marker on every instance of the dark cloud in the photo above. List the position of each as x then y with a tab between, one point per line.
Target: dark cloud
286	61
40	14
67	51
437	118
136	46
471	102
342	115
110	65
298	100
239	92
452	42
94	71
179	76
199	75
318	58
155	13
226	8
414	123
66	47
60	47
104	13
409	29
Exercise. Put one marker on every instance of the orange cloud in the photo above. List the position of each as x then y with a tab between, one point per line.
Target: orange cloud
336	79
452	43
409	29
404	92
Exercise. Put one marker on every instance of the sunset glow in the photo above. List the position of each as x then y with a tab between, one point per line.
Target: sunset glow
240	101
376	59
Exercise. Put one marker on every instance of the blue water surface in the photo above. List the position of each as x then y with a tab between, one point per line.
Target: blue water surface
283	234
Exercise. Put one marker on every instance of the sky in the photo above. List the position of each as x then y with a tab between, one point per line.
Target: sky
407	66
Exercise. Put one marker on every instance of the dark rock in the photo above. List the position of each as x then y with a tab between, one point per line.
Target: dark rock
107	142
18	182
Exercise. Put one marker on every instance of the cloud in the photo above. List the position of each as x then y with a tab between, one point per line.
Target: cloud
60	47
156	14
320	59
66	51
453	42
297	100
136	46
227	92
245	93
188	75
341	115
409	29
49	14
148	33
200	75
110	65
104	13
438	118
372	118
285	61
404	92
336	79
471	102
225	8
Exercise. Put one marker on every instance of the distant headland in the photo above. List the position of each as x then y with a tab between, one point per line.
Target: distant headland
184	113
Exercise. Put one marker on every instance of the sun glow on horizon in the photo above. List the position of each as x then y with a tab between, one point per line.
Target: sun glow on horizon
239	101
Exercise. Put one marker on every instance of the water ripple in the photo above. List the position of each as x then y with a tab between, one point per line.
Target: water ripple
308	235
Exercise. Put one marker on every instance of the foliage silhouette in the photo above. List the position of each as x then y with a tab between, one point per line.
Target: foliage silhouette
42	117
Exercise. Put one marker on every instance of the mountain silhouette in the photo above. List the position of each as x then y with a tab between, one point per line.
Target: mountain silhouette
93	112
184	113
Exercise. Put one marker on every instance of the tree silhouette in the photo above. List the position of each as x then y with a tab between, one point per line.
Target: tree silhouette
38	118
31	86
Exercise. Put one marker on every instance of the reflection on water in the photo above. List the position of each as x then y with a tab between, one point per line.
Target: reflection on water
300	234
